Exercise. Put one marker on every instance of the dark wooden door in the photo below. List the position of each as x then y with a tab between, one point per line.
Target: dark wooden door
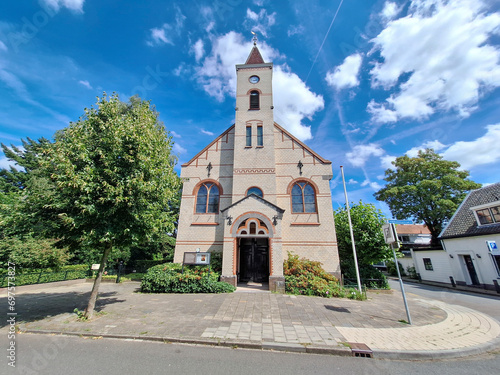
254	259
472	270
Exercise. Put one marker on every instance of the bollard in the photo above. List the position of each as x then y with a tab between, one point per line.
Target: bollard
453	282
120	270
497	287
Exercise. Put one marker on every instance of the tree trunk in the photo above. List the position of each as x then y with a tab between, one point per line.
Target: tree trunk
89	311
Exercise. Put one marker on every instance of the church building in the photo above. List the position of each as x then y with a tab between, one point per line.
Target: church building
256	192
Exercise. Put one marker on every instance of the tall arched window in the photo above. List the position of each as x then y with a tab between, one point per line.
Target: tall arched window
254	100
303	198
207	199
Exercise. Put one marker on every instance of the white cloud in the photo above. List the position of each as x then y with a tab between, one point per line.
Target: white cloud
373	185
198	50
3	46
352	182
390	11
437	58
74	5
435	145
207	132
293	100
260	22
386	161
345	75
86	84
181	70
159	36
174	134
294	30
361	153
381	114
483	150
166	33
178	149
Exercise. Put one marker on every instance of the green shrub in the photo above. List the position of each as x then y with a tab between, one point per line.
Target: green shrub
391	268
412	272
367	273
39	276
30	252
308	278
167	278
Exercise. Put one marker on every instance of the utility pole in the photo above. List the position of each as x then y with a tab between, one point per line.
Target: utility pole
352	234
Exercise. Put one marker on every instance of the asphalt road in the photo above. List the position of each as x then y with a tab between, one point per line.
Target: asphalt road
489	305
43	354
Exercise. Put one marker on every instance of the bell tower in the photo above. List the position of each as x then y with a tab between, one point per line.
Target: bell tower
254	154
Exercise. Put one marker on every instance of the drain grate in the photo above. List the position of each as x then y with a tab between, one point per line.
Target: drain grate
360	350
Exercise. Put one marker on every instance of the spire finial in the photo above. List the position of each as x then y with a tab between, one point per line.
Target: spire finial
254	38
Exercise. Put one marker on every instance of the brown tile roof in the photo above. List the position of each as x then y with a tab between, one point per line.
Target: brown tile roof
412	229
255	57
463	223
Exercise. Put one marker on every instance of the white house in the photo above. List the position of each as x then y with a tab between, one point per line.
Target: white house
472	237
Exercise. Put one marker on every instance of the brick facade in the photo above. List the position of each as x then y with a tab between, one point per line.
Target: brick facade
234	166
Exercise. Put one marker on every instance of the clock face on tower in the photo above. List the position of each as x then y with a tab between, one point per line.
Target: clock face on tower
254	79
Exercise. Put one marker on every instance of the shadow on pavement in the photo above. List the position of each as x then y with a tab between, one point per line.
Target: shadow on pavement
31	307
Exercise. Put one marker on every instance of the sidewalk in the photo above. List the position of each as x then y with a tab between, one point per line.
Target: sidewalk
260	320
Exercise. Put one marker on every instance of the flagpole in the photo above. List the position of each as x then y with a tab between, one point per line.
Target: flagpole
352	234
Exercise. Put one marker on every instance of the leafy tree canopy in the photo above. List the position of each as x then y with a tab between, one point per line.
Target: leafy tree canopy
26	158
113	178
425	188
367	223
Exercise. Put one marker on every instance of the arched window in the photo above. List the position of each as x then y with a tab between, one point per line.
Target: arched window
207	199
303	198
254	100
256	191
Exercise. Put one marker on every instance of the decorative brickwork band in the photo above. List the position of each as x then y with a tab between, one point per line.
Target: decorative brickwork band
255	171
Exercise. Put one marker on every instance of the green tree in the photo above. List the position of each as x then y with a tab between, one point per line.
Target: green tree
114	179
27	158
425	188
371	248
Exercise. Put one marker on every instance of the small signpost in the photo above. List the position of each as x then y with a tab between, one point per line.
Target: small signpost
391	238
196	259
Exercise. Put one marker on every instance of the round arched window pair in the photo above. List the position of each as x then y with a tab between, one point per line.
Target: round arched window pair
207	199
303	198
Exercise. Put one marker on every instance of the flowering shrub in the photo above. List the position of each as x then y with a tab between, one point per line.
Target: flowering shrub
308	278
167	278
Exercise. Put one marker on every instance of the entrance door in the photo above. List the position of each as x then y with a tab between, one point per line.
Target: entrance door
472	270
254	259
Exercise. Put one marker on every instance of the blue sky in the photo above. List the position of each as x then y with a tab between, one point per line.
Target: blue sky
361	82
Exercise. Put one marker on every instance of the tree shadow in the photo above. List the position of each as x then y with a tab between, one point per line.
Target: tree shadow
31	307
337	309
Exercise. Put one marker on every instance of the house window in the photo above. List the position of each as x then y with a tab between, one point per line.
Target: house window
496	261
489	215
249	136
404	238
207	199
428	264
303	198
260	139
256	191
254	100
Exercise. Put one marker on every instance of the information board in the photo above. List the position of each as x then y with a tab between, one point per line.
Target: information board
198	259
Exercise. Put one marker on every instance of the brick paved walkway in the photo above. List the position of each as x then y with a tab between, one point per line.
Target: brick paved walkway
258	319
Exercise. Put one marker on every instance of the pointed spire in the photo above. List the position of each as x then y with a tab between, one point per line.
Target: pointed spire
255	57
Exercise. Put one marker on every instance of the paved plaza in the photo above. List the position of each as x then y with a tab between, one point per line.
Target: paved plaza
261	320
